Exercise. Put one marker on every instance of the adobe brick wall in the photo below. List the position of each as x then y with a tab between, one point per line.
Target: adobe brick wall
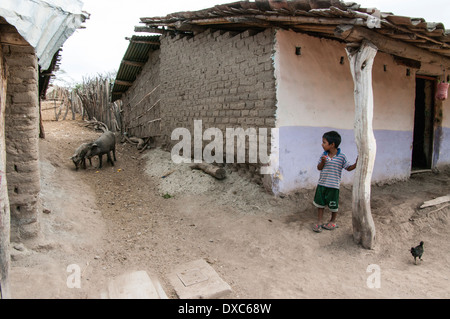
142	101
22	140
223	78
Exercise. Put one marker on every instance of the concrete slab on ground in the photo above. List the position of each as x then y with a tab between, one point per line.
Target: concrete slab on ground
198	280
134	285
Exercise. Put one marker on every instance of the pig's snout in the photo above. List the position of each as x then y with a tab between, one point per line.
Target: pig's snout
79	157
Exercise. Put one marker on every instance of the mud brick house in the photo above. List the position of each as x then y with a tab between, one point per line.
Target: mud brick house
287	66
31	35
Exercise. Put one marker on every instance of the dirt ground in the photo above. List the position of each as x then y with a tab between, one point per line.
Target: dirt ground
114	220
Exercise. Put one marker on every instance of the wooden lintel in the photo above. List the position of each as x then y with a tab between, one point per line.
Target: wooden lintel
133	63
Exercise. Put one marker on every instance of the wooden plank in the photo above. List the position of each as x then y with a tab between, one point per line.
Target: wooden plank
361	63
436	201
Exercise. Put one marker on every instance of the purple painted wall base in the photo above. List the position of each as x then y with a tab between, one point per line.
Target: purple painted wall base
300	149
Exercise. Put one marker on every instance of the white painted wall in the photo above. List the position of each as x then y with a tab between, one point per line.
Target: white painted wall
313	88
315	94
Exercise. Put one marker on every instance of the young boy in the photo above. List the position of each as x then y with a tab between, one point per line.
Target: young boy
330	166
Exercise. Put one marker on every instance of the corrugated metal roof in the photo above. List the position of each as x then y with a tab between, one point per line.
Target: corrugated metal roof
134	59
317	17
44	24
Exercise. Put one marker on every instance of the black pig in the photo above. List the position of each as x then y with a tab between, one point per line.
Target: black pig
103	145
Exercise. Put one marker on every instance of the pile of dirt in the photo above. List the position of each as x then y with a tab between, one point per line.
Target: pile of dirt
127	217
180	180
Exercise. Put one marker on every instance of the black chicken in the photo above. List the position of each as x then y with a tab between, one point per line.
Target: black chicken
417	252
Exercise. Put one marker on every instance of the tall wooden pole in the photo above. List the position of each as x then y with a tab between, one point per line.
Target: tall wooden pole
4	200
361	62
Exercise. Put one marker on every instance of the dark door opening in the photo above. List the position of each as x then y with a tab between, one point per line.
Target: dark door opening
422	155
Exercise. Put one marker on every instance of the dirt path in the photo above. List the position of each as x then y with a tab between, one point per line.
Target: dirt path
115	219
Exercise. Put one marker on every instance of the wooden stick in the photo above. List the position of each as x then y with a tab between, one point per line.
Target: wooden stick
212	170
436	201
436	210
168	173
144	146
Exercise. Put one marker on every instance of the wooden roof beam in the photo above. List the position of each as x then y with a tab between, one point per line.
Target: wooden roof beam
310	20
133	63
389	45
188	27
124	83
150	30
417	33
269	18
10	36
143	42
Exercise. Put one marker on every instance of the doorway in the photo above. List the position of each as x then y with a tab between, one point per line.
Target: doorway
422	155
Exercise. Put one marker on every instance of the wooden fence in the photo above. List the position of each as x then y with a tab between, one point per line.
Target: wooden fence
59	100
92	100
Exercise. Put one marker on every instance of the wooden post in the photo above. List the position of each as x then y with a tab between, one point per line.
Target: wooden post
41	124
4	200
361	62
